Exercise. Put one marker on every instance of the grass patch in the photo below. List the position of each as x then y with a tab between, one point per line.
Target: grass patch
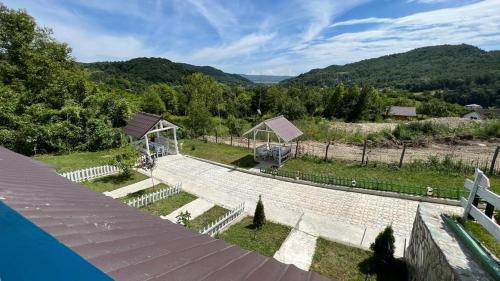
266	241
218	152
384	172
114	181
77	160
139	193
341	262
486	239
208	217
168	205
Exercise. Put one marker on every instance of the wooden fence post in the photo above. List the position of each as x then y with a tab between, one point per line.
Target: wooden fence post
231	139
296	149
248	142
490	209
364	152
493	161
402	156
326	151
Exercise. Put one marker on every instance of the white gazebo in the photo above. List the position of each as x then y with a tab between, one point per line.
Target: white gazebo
145	126
285	133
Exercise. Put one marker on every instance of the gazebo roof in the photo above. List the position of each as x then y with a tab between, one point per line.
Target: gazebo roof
142	123
281	127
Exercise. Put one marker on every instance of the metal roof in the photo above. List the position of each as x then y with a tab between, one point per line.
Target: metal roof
281	127
142	123
403	111
124	242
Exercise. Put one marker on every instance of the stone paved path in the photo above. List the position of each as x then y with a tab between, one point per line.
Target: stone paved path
298	248
195	208
124	191
348	217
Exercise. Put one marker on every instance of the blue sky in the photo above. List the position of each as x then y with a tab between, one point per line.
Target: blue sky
285	37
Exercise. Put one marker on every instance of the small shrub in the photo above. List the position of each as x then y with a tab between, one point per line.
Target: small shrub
125	158
259	218
383	248
184	218
193	147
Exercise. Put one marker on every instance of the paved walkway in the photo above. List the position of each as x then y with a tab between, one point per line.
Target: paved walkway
195	208
298	248
347	217
126	190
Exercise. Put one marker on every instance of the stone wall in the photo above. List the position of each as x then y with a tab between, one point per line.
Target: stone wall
434	254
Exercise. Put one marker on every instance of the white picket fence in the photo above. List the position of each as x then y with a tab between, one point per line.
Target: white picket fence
90	173
152	197
223	221
480	187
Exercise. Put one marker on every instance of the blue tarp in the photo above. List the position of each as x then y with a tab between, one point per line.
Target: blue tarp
29	253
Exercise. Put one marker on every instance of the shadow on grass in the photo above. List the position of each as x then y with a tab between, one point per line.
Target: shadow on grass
115	179
245	162
394	271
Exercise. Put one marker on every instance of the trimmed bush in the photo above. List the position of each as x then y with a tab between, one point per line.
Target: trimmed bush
259	218
383	248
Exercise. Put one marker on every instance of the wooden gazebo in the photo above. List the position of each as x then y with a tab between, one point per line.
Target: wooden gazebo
285	133
145	126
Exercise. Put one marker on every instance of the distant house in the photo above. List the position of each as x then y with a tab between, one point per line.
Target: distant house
403	112
473	106
474	115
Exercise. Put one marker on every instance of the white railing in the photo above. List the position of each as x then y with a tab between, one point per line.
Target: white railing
480	187
152	197
223	221
90	173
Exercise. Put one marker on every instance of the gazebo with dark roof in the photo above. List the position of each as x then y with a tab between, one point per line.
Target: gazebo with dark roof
284	131
144	124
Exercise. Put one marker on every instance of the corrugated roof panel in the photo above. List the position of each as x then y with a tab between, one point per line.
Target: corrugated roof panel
124	242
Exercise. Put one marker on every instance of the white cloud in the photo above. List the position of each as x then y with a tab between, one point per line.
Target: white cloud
428	1
243	46
362	21
219	17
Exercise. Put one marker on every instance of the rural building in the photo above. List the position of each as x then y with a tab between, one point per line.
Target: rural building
473	106
474	115
55	229
403	112
145	128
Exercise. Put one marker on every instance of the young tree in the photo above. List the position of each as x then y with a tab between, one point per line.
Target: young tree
383	248
125	158
235	126
259	217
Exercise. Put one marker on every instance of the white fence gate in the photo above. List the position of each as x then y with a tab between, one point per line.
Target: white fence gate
152	197
90	173
223	221
480	187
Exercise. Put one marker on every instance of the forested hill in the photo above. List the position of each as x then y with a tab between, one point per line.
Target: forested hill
461	68
137	73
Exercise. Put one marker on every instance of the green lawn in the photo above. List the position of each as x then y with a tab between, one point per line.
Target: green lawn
77	160
222	153
114	181
144	191
383	173
168	205
208	217
341	262
266	241
483	236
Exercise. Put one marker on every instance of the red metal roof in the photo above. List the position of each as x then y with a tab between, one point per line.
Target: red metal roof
125	242
141	124
281	127
403	111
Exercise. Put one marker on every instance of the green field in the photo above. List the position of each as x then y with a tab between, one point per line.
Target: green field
222	153
114	181
78	160
266	241
168	205
382	172
341	262
208	217
139	193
